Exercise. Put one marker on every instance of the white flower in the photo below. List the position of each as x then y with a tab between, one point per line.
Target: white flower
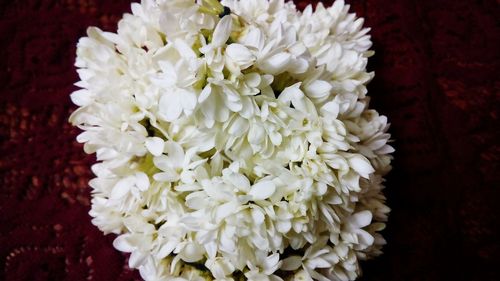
264	269
234	140
353	230
221	268
130	186
213	50
238	57
172	164
176	80
155	145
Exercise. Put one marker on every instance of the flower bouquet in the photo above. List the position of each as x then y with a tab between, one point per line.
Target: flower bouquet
234	140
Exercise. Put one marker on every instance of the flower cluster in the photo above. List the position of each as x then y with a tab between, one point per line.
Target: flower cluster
234	140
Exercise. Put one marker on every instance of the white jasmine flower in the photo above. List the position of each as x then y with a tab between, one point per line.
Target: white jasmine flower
176	81
213	50
238	57
221	268
353	232
234	140
155	145
264	269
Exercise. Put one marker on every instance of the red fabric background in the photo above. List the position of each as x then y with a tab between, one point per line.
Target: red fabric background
437	67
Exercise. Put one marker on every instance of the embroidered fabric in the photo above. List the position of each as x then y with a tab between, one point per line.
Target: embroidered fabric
436	64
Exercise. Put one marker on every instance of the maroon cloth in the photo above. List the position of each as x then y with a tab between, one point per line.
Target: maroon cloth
437	68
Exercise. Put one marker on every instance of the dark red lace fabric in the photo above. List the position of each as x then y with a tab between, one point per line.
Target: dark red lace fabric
437	67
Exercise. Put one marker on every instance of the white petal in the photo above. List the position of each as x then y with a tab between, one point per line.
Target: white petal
256	134
247	109
162	162
291	93
191	253
252	79
188	100
211	248
386	150
197	200
141	181
239	127
318	263
168	176
184	49
82	97
254	38
271	261
330	110
137	258
217	191
175	152
361	165
166	249
298	66
262	190
155	145
121	243
365	238
168	70
188	177
240	181
222	31
291	263
122	188
220	267
257	216
209	107
283	226
318	89
275	137
275	64
187	187
205	93
170	107
360	219
225	210
240	54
